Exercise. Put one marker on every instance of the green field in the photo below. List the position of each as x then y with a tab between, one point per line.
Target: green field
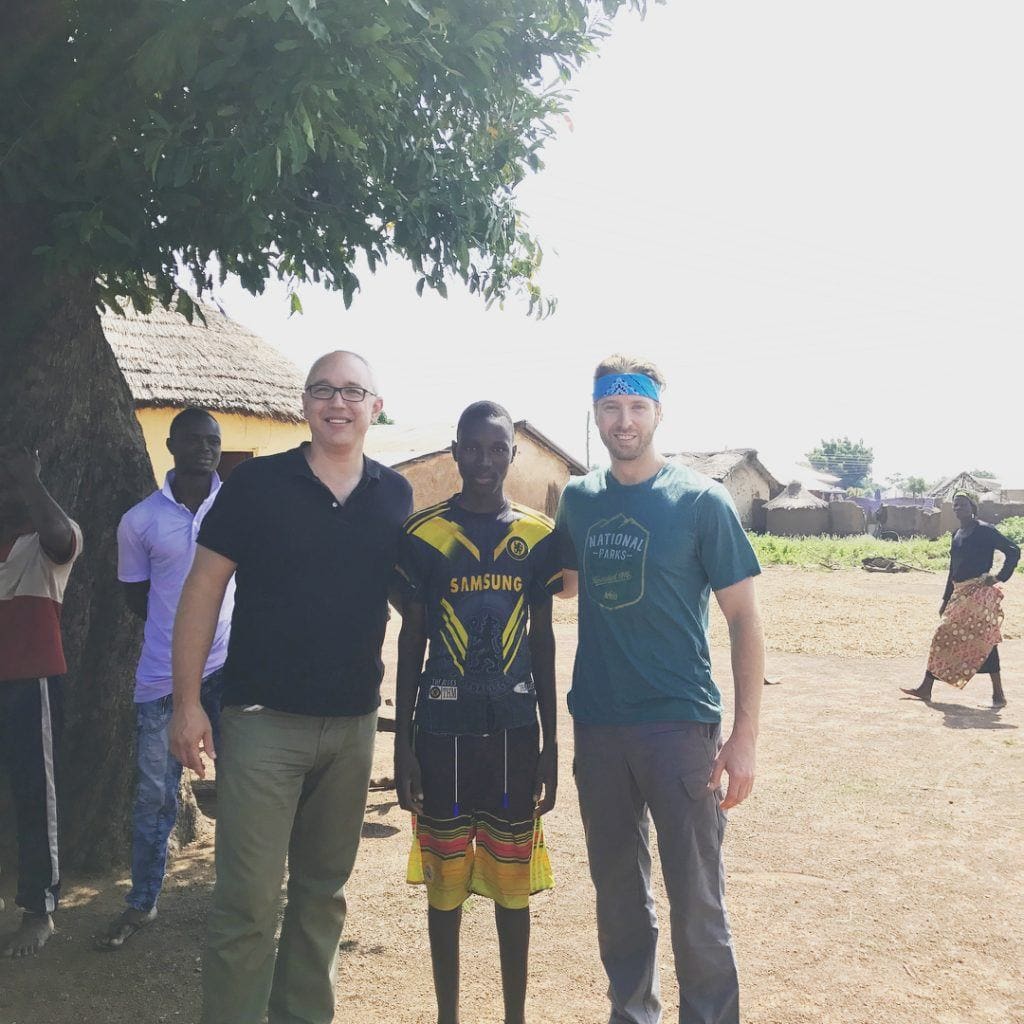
840	552
845	552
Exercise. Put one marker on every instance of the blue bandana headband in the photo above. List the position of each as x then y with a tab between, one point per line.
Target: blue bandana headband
626	384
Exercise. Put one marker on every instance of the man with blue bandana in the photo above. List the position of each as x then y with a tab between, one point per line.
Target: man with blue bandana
645	542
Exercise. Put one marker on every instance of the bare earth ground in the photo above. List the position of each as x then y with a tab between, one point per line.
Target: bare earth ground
875	875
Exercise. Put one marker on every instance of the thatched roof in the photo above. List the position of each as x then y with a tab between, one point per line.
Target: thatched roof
796	496
817	480
962	482
718	465
400	444
219	365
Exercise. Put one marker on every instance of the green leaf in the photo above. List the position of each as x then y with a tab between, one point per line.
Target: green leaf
419	286
349	284
370	34
295	303
305	11
306	124
398	70
349	138
185	306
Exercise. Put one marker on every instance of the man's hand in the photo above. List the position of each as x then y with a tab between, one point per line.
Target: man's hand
408	781
545	786
19	466
737	758
190	733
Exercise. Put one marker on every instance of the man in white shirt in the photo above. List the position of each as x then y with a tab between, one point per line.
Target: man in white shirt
156	542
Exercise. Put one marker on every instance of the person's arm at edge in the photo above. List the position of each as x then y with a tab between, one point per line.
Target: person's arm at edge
412	646
1011	555
541	638
570	583
134	565
746	639
194	627
48	519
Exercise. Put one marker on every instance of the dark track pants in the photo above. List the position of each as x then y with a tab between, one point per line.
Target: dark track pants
30	724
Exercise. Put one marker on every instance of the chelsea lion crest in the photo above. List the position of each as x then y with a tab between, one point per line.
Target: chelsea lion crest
518	548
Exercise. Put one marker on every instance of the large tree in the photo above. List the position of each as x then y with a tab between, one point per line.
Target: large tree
849	460
146	140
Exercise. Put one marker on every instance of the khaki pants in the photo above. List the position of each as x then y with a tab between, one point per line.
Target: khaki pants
287	786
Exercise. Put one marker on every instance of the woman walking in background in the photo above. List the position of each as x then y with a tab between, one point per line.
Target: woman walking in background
965	643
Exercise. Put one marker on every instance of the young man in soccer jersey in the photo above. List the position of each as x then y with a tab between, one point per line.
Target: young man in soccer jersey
477	574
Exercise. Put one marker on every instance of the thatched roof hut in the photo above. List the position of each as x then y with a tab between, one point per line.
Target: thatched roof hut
220	365
795	495
421	452
741	473
962	482
797	513
254	391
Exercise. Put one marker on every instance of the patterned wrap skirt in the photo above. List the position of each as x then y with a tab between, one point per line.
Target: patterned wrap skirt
969	631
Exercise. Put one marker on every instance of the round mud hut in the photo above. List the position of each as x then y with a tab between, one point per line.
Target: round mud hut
797	513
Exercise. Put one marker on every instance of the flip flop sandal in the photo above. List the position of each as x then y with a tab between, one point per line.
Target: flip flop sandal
121	929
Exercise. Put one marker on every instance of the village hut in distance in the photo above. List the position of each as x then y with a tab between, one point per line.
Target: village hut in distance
169	364
422	454
797	513
742	474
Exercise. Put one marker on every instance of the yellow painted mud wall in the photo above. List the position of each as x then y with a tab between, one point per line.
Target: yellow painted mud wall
239	433
536	478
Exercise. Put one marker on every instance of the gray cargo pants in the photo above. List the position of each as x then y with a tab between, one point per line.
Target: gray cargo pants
625	776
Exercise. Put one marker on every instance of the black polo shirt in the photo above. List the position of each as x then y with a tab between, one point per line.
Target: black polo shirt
311	585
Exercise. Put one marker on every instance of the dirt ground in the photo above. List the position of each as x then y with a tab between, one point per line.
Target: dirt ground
875	875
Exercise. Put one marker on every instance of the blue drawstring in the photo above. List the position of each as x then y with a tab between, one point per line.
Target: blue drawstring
455	806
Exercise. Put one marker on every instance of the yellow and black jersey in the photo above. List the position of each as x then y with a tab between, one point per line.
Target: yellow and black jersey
477	575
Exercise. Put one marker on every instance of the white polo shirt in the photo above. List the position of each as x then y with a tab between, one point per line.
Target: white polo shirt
156	541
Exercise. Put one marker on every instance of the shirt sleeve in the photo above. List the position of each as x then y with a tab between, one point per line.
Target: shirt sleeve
132	553
228	525
411	568
564	546
1011	554
547	572
723	548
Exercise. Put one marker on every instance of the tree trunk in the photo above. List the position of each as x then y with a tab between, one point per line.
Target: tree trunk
62	392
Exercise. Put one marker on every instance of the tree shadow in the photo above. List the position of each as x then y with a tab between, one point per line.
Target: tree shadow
958	716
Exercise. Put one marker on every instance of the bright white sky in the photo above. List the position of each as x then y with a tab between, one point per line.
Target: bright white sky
810	214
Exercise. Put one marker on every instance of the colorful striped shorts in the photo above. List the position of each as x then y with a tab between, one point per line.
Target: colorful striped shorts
478	833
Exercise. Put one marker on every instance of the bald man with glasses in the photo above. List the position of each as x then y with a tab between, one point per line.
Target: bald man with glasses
311	536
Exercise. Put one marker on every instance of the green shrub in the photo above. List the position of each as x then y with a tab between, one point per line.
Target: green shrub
1013	528
836	552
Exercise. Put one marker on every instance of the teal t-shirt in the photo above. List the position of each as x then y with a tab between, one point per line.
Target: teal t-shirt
648	557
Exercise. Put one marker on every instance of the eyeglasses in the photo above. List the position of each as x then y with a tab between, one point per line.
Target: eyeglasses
325	392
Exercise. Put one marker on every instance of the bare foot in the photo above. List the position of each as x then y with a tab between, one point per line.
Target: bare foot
124	926
34	932
917	692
